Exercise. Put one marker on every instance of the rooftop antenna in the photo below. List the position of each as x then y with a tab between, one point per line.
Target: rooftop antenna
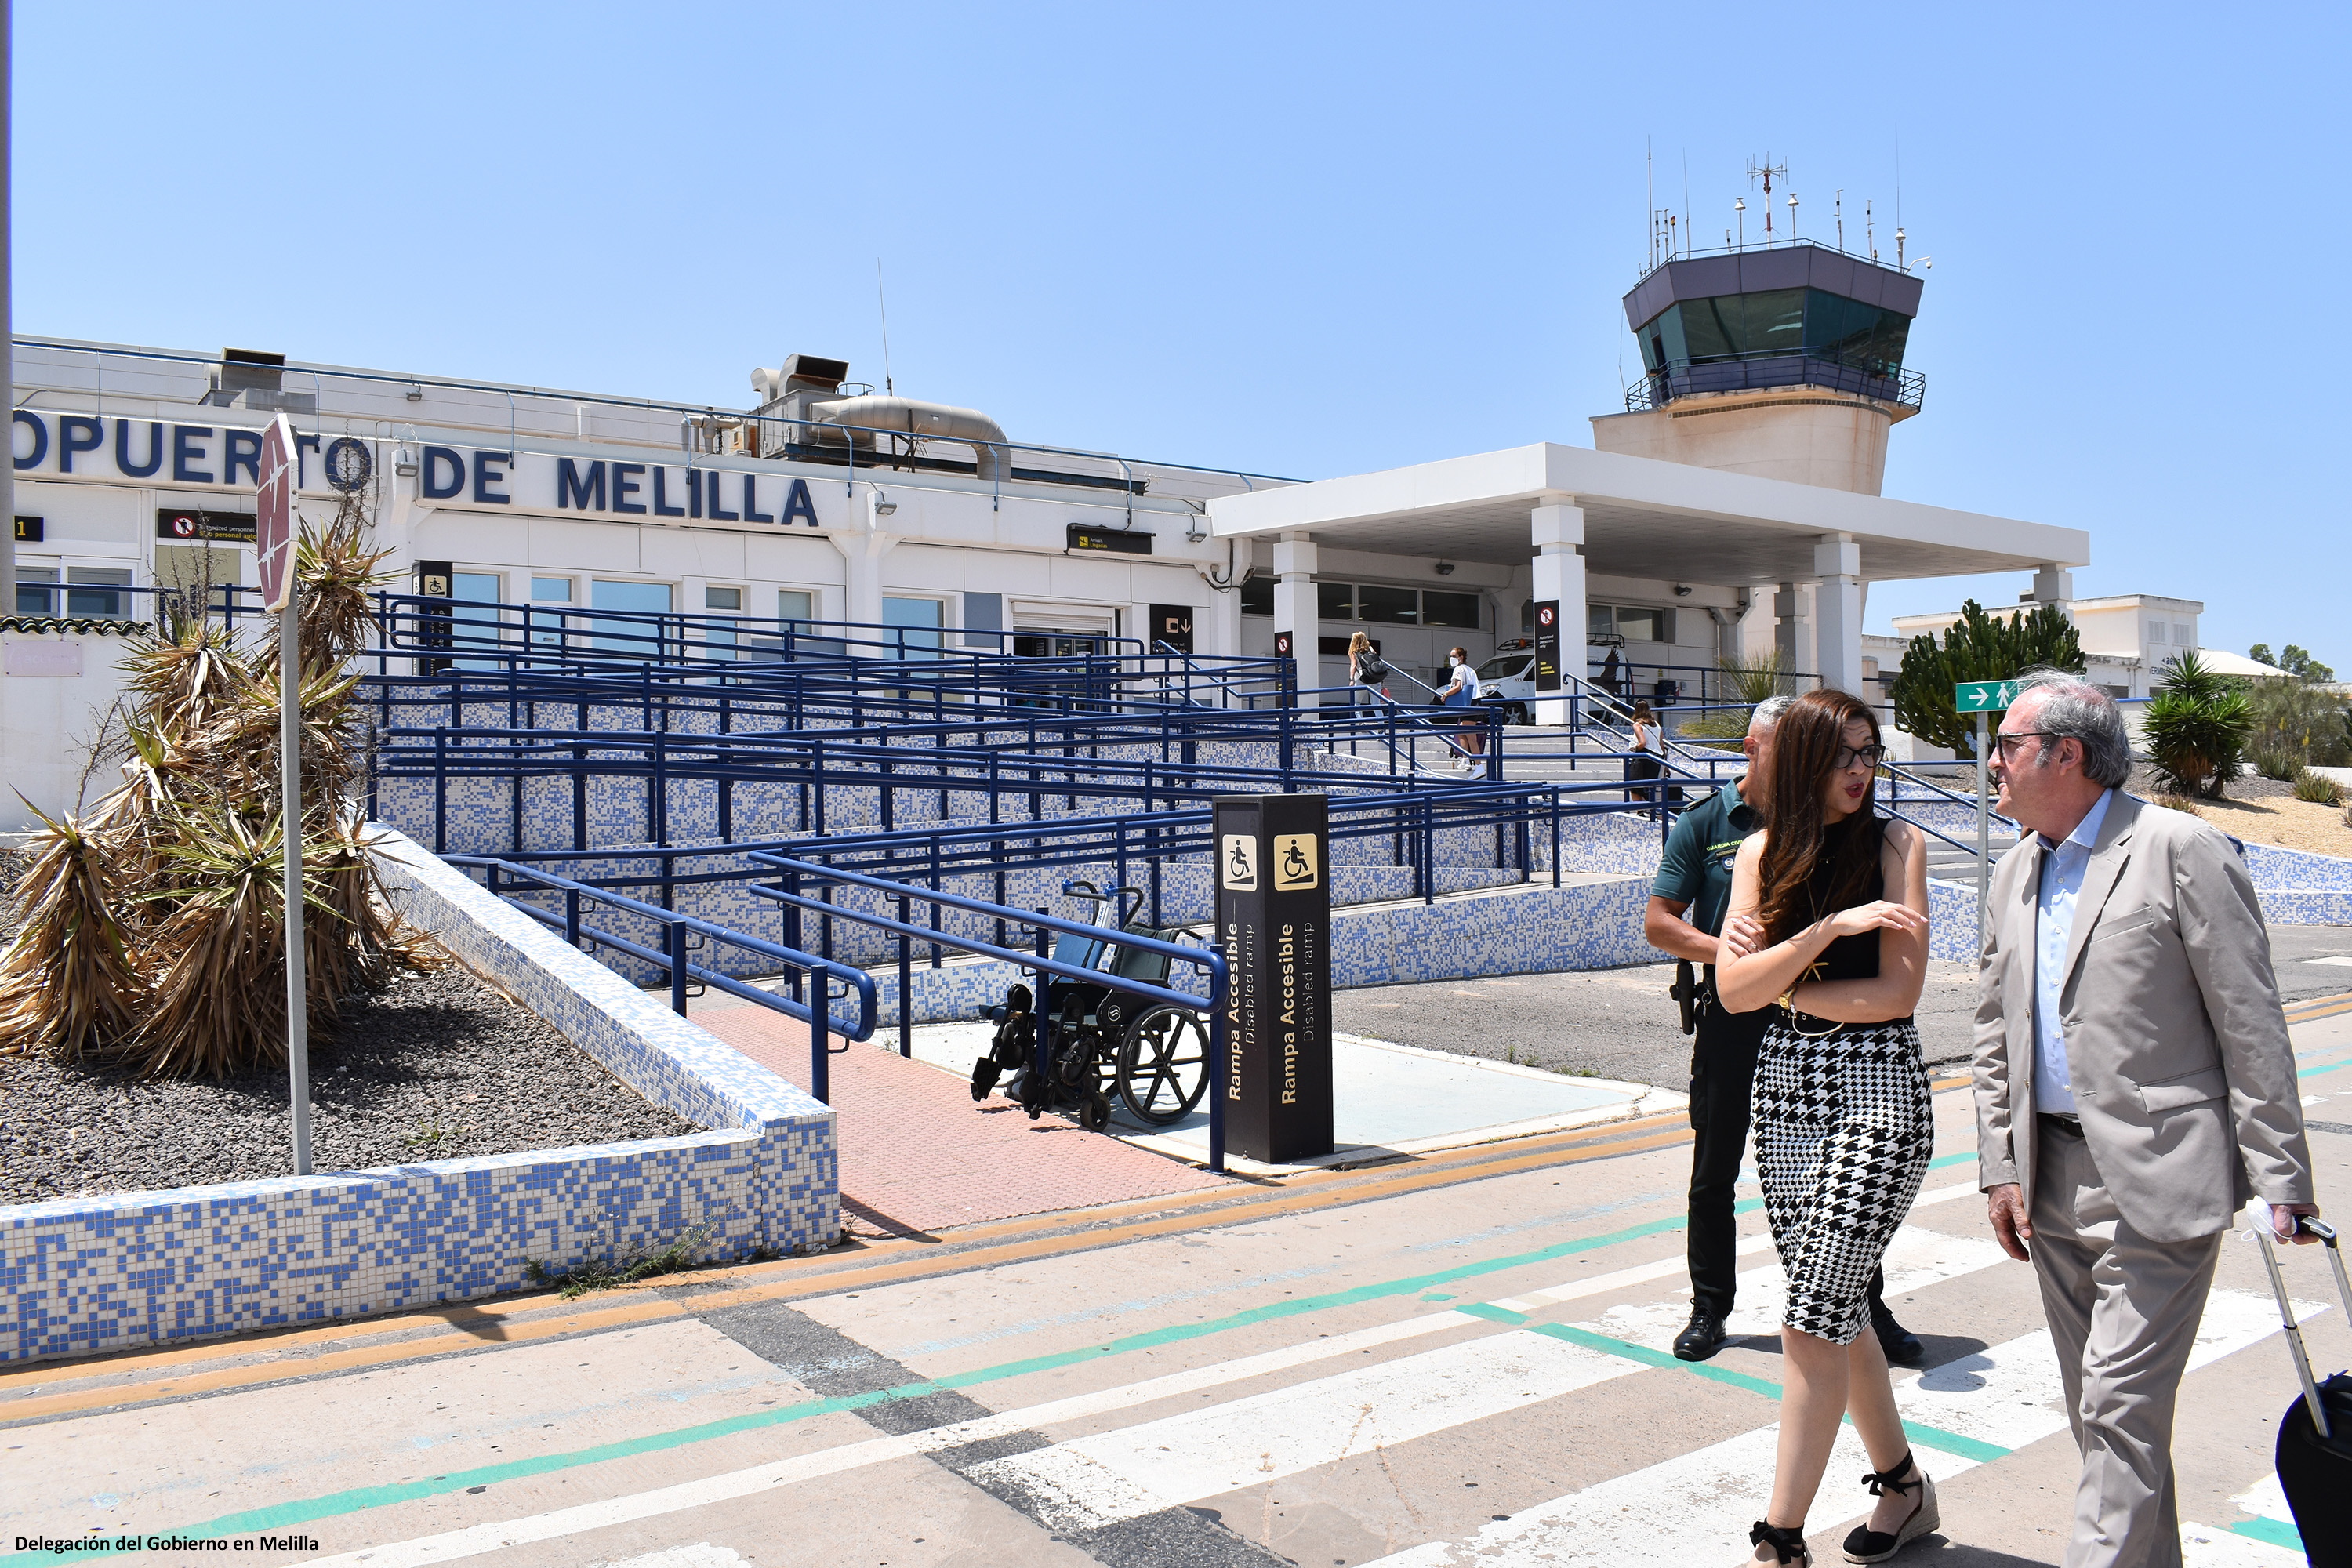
1870	229
889	388
1792	217
1767	173
1650	194
1838	206
1740	207
1687	238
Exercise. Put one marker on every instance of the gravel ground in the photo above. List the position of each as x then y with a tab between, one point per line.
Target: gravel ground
438	1067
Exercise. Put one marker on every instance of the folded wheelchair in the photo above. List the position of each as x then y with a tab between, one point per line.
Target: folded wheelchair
1103	1041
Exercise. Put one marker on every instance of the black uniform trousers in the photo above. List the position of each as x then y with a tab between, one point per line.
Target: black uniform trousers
1723	1078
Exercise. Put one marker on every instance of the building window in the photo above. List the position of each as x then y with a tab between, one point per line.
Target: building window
1257	596
2185	636
34	595
795	604
2156	633
1449	610
634	635
550	590
1635	623
918	623
719	636
1389	606
1335	600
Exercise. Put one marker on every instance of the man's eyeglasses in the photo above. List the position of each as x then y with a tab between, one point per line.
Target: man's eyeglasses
2008	741
1849	755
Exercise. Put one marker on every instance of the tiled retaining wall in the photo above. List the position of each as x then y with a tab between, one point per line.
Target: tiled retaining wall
82	1275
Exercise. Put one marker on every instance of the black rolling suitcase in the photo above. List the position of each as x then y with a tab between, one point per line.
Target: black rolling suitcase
2315	1437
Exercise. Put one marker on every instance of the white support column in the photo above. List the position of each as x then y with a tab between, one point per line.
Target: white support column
1837	613
863	550
1558	532
1295	608
2053	584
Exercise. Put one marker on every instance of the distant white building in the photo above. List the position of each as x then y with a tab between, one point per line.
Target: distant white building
2126	638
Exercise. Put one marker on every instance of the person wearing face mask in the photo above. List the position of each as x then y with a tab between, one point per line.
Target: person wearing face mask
1462	691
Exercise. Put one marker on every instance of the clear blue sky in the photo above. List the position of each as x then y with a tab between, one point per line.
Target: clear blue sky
1304	240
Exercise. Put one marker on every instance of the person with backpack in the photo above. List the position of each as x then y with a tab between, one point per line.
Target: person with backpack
1365	668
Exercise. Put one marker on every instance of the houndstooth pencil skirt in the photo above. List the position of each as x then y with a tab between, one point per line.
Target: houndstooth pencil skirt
1844	1129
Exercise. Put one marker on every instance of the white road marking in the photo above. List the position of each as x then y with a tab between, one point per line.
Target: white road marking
1695	1507
2202	1546
1140	1470
700	1555
455	1545
2266	1499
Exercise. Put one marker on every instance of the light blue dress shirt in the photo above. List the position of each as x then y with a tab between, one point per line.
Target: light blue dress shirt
2053	923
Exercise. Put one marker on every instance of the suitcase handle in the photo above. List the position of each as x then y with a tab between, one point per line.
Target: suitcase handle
2308	1224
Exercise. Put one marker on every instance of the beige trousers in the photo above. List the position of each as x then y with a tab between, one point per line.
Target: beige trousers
2123	1313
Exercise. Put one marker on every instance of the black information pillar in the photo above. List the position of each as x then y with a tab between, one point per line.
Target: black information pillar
1274	926
1546	669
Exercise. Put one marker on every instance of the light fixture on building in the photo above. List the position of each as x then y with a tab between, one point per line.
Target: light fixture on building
883	505
1682	590
415	393
1446	568
404	461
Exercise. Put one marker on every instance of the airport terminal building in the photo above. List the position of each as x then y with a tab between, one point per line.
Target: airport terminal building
1731	507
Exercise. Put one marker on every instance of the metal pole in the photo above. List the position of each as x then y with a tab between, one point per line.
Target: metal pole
298	988
1984	830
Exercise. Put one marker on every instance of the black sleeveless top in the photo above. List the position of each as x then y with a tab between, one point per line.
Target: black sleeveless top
1849	957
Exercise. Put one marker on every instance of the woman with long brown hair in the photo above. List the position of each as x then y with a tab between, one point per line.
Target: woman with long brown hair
1828	927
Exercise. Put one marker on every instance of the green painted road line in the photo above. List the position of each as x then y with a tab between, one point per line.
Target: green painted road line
1493	1314
1626	1350
307	1510
1925	1436
2269	1531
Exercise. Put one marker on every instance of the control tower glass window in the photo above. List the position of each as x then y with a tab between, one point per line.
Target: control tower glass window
1781	321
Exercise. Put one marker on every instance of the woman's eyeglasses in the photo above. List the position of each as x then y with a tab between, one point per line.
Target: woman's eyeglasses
1849	755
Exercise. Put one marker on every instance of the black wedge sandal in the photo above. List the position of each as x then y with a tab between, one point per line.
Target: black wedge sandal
1868	1545
1787	1543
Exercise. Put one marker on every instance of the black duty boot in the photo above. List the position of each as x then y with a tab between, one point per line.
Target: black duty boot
1902	1346
1700	1339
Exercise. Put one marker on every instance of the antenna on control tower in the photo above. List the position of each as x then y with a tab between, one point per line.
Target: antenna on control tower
1768	172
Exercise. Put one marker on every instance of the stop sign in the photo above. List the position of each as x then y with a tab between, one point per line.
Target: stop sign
274	520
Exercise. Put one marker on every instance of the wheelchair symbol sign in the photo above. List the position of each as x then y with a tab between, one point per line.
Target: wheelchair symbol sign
1237	860
1293	861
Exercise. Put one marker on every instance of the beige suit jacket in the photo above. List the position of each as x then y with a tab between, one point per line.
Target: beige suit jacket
2176	1044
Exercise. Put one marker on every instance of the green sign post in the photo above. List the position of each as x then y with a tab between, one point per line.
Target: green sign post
1983	698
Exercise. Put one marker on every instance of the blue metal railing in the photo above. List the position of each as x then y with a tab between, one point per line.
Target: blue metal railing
679	931
798	873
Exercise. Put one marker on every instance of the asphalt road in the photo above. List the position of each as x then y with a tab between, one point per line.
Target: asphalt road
1619	1024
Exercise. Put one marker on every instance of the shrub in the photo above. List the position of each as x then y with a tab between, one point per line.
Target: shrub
2197	727
154	926
2178	803
2272	763
1977	647
2317	788
2300	723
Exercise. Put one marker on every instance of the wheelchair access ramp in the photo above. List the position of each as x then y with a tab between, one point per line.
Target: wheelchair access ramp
919	1157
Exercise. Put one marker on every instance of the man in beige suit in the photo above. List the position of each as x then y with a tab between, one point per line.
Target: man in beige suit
2133	1088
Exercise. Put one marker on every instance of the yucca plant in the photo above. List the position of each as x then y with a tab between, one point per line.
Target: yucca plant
2317	788
2197	727
154	928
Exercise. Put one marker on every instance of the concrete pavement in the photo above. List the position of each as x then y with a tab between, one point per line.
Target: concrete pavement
1443	1361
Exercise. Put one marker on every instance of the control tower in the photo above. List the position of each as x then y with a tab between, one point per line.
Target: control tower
1783	362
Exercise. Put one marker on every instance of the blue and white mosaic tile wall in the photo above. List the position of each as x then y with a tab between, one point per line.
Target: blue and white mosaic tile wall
84	1274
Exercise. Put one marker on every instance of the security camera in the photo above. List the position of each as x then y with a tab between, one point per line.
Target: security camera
1446	568
1682	590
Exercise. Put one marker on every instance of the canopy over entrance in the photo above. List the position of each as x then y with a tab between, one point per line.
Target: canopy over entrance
1641	518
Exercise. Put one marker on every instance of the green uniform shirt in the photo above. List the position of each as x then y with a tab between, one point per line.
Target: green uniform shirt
1695	869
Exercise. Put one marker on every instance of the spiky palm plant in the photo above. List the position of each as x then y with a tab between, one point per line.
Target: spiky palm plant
176	873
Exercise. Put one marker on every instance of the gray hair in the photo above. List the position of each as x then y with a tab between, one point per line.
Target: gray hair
1767	713
2073	709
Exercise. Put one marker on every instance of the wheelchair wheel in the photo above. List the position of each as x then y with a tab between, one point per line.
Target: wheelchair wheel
1163	1064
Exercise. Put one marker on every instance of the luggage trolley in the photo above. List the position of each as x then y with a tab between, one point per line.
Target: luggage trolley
1154	1056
